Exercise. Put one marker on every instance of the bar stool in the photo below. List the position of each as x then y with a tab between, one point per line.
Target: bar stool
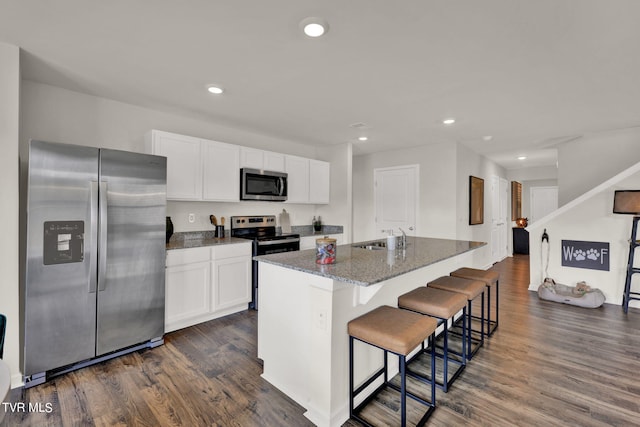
443	305
490	278
399	332
470	289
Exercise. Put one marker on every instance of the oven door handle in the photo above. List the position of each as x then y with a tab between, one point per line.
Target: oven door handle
278	242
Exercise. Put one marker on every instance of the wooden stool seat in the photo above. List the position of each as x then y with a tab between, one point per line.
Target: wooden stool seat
491	279
433	302
471	289
443	305
400	332
392	329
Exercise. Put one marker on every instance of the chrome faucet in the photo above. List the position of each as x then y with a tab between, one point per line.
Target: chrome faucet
403	239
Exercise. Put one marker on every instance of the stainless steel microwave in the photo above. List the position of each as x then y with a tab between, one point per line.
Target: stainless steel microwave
258	184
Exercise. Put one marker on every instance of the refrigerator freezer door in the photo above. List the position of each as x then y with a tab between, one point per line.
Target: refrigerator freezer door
132	249
60	296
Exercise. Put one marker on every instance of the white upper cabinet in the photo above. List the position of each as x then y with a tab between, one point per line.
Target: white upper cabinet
200	169
184	165
297	169
197	169
319	181
221	172
274	161
251	158
308	180
260	159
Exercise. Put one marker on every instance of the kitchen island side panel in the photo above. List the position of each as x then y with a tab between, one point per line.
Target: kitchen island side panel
302	332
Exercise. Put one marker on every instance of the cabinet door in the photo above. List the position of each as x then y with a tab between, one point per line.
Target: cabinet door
231	279
274	161
187	294
221	171
298	179
184	164
319	181
251	158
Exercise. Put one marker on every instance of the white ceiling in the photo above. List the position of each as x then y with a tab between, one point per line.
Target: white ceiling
528	73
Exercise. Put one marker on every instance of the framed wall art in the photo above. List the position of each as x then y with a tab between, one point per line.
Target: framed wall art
476	200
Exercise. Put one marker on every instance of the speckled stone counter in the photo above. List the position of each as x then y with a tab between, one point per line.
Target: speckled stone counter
196	239
364	267
304	309
307	230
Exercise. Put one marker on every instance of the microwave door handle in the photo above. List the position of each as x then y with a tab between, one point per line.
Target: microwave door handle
281	186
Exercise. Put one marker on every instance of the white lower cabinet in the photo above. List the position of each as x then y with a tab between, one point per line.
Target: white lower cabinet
231	277
186	294
205	283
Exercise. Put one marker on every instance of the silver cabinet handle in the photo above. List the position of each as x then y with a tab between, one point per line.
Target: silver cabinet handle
102	238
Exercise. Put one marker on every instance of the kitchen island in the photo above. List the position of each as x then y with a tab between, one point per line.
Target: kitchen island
305	308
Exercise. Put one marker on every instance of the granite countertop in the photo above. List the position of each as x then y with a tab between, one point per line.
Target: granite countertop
197	239
365	267
307	230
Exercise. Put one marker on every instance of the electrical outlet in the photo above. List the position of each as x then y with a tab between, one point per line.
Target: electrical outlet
192	218
321	319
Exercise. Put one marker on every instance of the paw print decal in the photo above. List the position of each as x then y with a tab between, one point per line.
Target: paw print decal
580	255
593	254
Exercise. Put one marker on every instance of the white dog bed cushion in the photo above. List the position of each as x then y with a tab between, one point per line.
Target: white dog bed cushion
580	295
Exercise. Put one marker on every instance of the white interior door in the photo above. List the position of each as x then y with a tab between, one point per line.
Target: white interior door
544	200
504	218
396	199
499	212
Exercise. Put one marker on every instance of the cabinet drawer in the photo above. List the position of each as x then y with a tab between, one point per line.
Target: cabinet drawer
230	251
188	256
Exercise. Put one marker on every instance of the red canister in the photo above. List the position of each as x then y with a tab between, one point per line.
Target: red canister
325	251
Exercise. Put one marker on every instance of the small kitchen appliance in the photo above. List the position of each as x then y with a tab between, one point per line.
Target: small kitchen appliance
258	184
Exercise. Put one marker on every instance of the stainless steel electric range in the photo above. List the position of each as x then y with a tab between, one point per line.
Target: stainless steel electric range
262	231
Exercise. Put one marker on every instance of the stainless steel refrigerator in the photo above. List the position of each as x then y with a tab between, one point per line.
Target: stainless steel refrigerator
94	264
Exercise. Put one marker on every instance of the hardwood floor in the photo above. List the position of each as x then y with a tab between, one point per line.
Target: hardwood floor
547	364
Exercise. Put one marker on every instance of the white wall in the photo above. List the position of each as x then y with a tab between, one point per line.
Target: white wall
592	159
9	136
533	174
469	163
341	186
436	216
588	220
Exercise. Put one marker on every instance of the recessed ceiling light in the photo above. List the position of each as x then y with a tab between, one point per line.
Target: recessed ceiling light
487	138
363	138
314	27
522	157
216	90
449	121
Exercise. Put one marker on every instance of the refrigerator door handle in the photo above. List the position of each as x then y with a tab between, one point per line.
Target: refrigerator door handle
102	238
93	264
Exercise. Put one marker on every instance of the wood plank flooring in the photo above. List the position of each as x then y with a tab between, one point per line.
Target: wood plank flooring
547	364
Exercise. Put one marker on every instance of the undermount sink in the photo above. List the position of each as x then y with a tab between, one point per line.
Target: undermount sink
372	246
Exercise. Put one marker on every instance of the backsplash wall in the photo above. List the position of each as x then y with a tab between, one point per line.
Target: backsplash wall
179	212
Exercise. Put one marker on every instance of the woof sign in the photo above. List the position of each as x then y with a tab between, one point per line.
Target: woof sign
591	255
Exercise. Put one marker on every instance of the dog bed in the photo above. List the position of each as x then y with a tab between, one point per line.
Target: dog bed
580	295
